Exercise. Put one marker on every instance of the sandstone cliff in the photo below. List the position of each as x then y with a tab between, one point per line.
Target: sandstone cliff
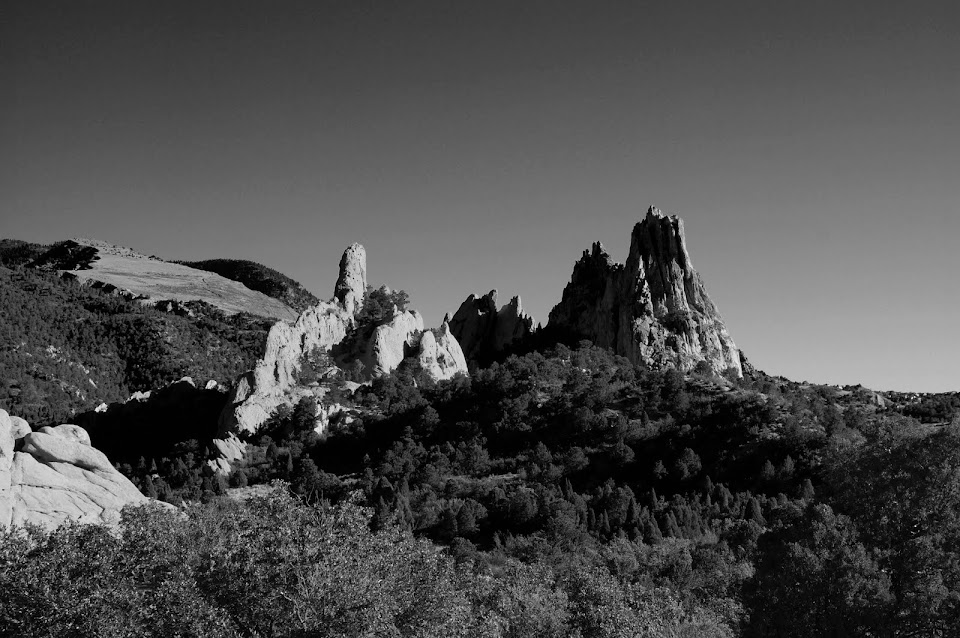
483	330
654	309
379	348
54	475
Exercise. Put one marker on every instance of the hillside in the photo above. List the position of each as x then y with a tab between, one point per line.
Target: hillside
260	278
93	261
14	252
65	348
565	492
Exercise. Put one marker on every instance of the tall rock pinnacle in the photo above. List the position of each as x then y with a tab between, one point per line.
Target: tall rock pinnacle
379	346
654	309
352	282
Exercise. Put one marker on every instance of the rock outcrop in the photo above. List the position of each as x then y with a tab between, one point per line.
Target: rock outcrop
54	475
379	348
483	330
392	342
272	383
440	354
352	282
654	309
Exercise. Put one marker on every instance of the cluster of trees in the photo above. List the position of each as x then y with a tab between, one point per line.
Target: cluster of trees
379	304
64	348
934	408
272	566
14	252
760	505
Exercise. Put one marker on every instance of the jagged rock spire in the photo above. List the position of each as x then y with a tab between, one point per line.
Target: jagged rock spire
654	309
483	329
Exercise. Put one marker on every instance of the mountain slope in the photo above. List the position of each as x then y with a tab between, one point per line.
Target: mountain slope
65	348
260	278
15	252
95	261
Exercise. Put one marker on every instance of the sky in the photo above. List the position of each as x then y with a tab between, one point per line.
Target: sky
812	149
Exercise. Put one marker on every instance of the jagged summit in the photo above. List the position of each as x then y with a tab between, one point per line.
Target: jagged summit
483	329
379	347
653	309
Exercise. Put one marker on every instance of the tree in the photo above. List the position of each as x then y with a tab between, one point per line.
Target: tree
814	578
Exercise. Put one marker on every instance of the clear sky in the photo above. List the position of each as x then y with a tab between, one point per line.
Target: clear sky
812	148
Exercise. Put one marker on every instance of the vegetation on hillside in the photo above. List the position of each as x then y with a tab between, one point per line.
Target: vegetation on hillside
260	278
272	566
14	252
65	348
765	508
561	491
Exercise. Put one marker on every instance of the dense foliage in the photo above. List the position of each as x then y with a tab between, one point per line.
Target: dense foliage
260	278
764	508
559	492
272	566
14	252
64	347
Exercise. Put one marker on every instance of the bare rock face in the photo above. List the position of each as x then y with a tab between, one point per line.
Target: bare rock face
352	282
54	475
654	309
440	354
229	449
273	382
392	342
484	330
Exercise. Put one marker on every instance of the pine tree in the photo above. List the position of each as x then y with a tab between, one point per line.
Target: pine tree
149	489
786	469
651	532
754	512
767	473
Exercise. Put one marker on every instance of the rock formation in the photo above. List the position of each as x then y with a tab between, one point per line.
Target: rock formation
352	282
391	342
54	475
654	309
440	354
484	330
380	348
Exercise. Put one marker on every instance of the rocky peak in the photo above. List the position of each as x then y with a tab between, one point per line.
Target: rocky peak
352	281
323	329
654	309
483	330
